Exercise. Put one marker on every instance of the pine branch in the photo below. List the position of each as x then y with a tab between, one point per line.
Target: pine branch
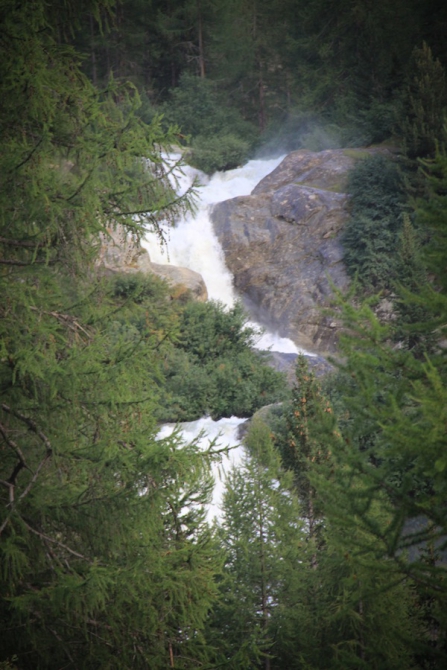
10	486
25	160
65	319
13	445
81	185
53	541
35	475
168	206
21	243
31	424
11	482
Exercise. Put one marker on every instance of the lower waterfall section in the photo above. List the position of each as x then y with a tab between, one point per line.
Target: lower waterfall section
193	244
226	433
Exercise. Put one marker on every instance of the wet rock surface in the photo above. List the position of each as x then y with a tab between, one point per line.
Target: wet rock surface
121	253
282	244
286	363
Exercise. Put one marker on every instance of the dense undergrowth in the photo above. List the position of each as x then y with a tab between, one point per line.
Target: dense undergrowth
208	365
371	238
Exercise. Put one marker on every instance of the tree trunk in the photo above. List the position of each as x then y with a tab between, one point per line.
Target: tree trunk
264	594
92	52
201	52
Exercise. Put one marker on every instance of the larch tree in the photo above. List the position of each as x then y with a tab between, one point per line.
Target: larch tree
308	441
387	493
106	557
339	604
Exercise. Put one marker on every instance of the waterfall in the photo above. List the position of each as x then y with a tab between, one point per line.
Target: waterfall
193	244
225	432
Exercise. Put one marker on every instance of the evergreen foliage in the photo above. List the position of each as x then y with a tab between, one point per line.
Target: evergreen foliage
261	535
106	558
219	152
307	443
329	606
360	69
344	613
221	139
371	236
389	476
214	369
424	105
431	212
412	327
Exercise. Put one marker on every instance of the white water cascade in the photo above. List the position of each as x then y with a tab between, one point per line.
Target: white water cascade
194	245
225	432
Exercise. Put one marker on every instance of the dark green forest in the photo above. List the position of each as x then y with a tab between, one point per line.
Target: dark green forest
331	551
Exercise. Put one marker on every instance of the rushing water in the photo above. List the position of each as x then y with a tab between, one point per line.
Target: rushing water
225	432
194	245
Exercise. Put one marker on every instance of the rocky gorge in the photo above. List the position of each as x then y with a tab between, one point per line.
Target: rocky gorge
281	243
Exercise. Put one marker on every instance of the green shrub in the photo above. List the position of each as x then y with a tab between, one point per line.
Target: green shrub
214	370
186	390
221	152
193	106
244	384
205	358
376	187
209	330
138	286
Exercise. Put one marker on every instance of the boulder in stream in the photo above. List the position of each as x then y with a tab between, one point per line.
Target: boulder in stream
282	244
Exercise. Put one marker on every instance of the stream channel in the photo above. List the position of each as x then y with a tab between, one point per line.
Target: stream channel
194	245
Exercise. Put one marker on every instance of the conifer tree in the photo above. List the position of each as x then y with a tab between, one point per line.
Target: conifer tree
432	215
261	536
412	327
307	444
336	605
388	488
389	477
106	558
424	104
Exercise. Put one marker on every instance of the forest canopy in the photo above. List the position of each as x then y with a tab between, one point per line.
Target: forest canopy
316	74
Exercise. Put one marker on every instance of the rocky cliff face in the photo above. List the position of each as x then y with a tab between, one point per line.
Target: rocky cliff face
282	244
121	253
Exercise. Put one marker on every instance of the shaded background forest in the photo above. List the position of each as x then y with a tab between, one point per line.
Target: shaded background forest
234	75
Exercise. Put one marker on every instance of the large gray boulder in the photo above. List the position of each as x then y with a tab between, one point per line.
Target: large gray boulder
282	244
